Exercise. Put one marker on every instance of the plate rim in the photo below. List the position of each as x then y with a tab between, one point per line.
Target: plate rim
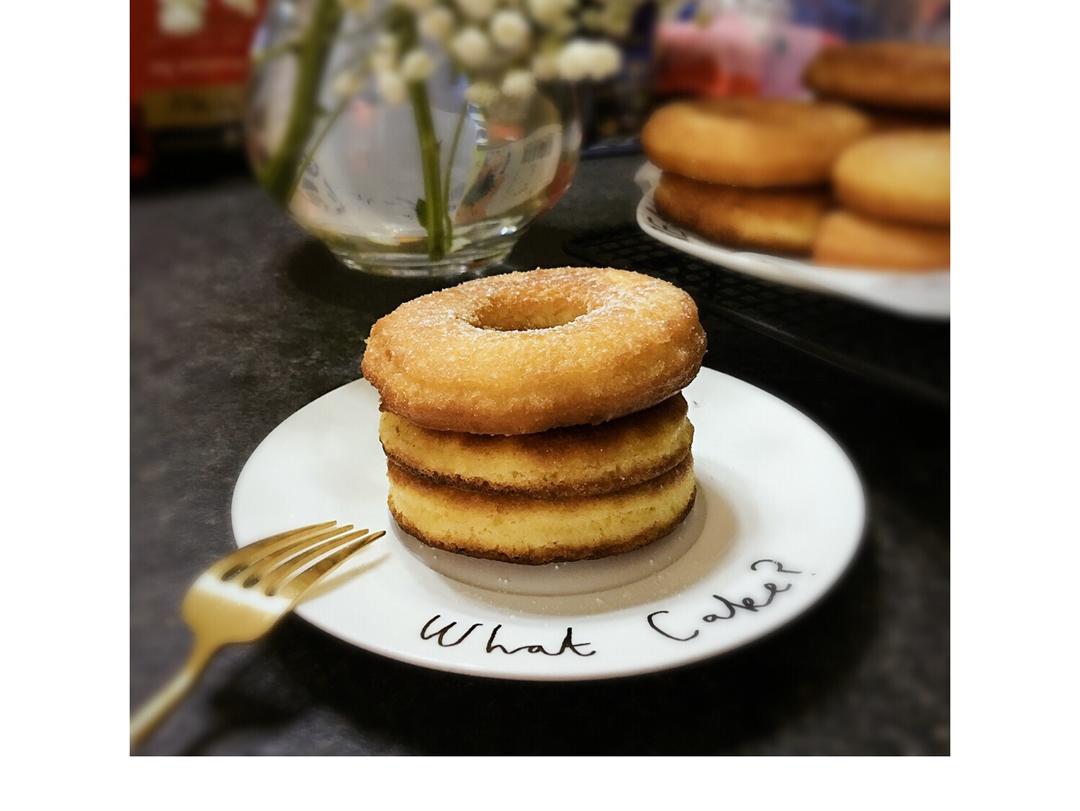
467	668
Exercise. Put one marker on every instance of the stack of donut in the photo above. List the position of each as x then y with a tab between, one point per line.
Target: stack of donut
537	417
770	174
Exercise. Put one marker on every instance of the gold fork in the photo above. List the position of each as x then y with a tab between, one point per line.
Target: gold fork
242	596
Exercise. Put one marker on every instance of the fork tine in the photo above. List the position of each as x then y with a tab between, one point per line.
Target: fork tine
271	578
262	565
318	571
313	565
245	554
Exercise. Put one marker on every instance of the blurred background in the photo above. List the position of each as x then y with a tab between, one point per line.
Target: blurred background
190	63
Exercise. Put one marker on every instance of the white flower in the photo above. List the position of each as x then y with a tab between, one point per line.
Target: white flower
472	47
348	83
545	66
384	55
573	60
437	23
416	6
383	61
179	18
386	42
606	60
391	86
510	30
476	9
614	19
481	94
549	12
583	59
518	84
416	65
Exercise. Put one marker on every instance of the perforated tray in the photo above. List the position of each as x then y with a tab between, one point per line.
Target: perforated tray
907	354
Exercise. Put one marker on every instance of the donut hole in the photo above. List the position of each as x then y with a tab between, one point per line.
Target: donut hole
524	313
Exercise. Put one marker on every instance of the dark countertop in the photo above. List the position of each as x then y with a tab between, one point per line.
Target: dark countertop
238	319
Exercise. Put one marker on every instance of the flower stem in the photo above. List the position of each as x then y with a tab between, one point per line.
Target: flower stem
327	124
446	173
287	46
278	175
433	211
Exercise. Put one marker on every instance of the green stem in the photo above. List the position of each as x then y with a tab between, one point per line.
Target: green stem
433	211
315	144
286	46
279	174
446	173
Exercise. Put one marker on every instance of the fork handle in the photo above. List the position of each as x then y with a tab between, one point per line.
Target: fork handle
154	711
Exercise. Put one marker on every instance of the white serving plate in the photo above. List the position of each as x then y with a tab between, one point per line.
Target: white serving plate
778	519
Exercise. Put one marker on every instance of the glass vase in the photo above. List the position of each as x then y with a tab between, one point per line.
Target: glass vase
427	184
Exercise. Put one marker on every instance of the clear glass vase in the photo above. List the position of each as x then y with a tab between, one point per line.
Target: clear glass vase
429	186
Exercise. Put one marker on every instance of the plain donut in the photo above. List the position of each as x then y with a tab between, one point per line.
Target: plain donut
756	143
783	220
898	176
903	75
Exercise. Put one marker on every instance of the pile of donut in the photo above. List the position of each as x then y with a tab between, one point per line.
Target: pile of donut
858	177
537	417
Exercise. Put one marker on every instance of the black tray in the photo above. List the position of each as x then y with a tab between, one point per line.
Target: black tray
904	353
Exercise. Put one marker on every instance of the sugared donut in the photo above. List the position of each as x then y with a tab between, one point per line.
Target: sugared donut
575	461
906	75
847	239
751	142
902	176
781	220
527	352
536	530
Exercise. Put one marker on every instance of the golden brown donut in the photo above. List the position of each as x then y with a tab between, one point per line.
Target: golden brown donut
574	461
906	75
847	239
901	176
784	221
527	352
522	529
751	142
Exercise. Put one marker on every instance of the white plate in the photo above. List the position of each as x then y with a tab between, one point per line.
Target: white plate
923	294
779	516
